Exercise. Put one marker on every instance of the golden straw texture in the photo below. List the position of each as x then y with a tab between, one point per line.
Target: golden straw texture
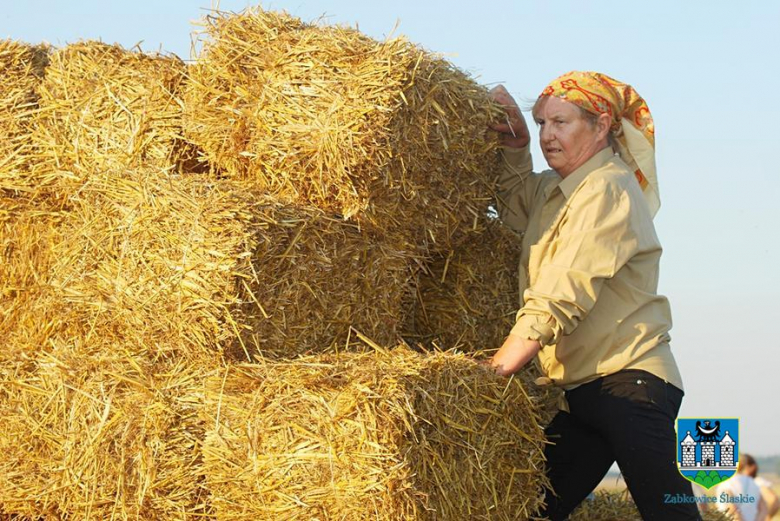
378	435
27	314
467	297
339	201
315	278
104	108
104	436
326	116
152	257
21	69
157	259
110	315
146	258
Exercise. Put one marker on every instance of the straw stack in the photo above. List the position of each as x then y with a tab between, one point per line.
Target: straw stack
333	168
21	70
328	117
104	108
27	233
379	435
156	259
467	299
108	313
99	371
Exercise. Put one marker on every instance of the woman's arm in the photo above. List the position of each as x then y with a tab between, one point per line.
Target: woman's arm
516	183
515	187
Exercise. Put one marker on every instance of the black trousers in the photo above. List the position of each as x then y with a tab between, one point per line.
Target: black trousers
626	417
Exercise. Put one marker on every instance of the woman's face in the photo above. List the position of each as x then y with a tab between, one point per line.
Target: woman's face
567	139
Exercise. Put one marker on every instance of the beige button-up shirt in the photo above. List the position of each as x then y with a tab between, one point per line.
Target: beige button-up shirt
588	269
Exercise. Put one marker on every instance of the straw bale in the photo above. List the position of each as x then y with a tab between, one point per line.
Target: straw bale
316	279
112	435
146	258
104	108
377	435
108	313
157	259
467	297
326	116
21	69
215	264
617	505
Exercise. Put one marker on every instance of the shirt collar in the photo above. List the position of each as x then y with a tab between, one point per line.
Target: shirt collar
573	180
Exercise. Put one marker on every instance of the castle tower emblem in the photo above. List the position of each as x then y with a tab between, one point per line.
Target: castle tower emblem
707	449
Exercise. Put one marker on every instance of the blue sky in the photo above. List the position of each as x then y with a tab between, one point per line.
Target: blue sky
708	71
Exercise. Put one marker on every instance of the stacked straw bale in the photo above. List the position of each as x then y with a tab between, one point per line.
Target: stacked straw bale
147	259
104	108
27	234
95	423
102	436
154	259
21	69
149	246
378	435
109	315
328	117
315	279
167	261
467	297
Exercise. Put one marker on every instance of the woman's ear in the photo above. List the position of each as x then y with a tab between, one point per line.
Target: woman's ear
603	125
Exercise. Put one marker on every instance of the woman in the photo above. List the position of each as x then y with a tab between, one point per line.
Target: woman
590	310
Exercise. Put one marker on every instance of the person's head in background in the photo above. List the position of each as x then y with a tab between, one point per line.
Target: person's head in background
747	465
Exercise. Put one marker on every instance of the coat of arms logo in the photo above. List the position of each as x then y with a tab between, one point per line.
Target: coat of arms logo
707	449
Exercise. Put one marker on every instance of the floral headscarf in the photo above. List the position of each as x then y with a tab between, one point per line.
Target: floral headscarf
632	124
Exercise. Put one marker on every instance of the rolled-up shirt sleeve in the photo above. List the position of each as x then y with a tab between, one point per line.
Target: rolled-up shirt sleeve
591	241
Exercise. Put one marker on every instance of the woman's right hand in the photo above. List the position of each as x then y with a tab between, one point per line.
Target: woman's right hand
513	129
514	354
